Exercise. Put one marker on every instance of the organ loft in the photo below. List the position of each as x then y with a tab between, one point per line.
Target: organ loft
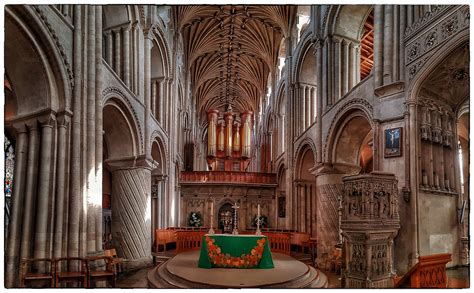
236	146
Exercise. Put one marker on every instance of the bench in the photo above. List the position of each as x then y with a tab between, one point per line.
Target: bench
163	237
300	240
279	242
71	275
188	240
94	273
429	272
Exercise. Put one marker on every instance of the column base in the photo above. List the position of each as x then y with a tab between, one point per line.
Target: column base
134	264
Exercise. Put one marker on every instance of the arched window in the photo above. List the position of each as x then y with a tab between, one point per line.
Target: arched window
9	170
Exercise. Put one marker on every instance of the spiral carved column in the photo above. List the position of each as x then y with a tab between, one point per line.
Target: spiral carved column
131	221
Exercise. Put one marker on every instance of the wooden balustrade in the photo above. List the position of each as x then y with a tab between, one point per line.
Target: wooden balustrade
227	176
279	242
188	240
429	272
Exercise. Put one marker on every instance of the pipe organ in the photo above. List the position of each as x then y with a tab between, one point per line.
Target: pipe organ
229	140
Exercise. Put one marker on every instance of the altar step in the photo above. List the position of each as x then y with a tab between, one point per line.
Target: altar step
161	277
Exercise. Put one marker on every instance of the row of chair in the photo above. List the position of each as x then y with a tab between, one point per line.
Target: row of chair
57	271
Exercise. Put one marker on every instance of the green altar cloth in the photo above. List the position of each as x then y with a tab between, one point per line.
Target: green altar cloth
235	246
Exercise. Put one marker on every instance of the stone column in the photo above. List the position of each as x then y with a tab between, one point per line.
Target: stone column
148	46
92	196
330	73
321	85
110	48
345	67
337	68
302	107
352	65
388	45
30	192
413	138
396	40
126	55
154	98
44	189
401	44
118	52
410	20
323	72
76	144
63	125
18	194
328	187
378	45
135	57
159	102
131	222
98	130
307	95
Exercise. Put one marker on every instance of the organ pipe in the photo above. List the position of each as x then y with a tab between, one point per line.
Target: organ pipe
211	133
236	138
220	145
246	119
228	133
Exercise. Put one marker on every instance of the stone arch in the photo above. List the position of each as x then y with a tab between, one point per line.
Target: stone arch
112	92
302	50
158	154
352	135
305	160
301	147
117	15
430	63
121	137
360	105
346	21
32	60
163	49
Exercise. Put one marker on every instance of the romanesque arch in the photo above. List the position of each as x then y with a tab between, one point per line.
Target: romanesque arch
304	195
37	93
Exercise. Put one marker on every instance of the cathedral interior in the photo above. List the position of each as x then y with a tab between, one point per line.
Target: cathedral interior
345	124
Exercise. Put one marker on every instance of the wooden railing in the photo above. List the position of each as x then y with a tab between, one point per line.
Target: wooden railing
188	240
429	272
279	242
227	177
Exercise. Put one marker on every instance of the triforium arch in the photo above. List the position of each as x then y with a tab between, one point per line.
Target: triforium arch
436	95
306	86
37	121
304	193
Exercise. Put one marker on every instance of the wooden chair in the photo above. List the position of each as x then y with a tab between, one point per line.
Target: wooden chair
116	261
163	237
29	274
94	272
67	276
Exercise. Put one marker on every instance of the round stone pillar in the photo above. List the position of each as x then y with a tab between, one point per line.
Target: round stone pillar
131	211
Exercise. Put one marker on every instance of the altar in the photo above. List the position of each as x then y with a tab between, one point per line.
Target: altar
235	251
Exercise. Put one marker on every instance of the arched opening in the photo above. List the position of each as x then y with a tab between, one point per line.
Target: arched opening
353	152
304	199
307	90
441	114
281	199
158	188
302	20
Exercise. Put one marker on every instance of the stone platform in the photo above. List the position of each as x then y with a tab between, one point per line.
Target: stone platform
182	272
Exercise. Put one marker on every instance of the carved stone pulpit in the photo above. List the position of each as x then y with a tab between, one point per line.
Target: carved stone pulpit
369	223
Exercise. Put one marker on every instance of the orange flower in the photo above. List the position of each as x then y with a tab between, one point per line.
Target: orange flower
253	252
218	250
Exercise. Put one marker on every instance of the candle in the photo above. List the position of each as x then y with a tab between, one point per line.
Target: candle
212	209
258	211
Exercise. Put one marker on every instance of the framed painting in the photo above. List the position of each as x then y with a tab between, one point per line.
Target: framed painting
393	142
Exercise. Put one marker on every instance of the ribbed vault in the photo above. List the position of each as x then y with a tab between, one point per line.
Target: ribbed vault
231	50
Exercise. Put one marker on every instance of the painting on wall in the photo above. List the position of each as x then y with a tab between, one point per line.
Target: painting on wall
393	142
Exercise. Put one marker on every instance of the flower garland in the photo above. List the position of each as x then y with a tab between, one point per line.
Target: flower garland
220	259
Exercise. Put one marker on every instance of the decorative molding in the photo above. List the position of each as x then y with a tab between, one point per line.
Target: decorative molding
427	19
60	47
118	93
419	49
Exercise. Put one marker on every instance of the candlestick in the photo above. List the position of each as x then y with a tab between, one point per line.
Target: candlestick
211	230
258	232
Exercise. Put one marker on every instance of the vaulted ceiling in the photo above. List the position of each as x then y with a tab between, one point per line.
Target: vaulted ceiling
230	51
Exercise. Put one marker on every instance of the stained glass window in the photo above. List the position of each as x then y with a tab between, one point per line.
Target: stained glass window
9	169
